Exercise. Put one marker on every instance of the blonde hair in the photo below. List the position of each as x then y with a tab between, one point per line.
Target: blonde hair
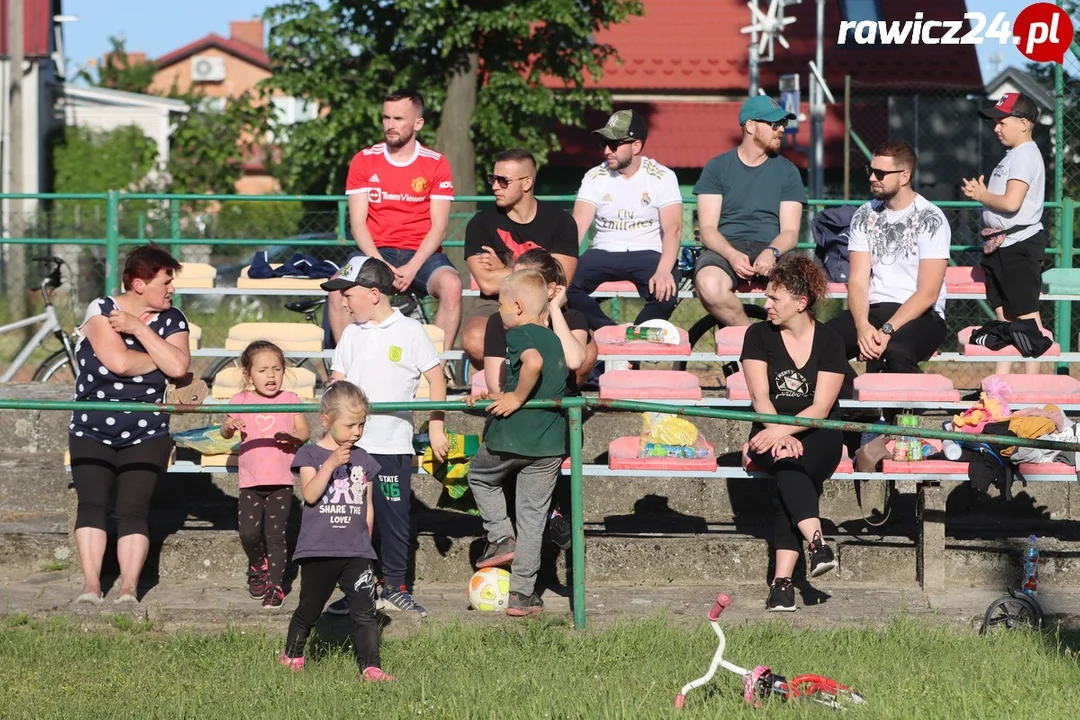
528	286
344	398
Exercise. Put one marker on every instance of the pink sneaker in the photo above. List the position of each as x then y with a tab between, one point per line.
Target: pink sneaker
294	664
374	674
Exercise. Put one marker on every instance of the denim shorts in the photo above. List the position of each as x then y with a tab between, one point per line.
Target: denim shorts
397	257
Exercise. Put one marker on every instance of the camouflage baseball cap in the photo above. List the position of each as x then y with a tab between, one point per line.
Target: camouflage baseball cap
623	125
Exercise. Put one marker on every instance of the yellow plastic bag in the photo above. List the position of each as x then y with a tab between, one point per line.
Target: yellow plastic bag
207	441
666	429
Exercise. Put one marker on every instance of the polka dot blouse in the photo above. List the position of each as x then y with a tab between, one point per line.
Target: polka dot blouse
95	382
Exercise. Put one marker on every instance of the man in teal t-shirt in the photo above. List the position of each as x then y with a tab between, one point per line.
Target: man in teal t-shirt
750	203
528	444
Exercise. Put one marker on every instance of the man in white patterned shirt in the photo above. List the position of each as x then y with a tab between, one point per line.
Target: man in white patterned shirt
636	206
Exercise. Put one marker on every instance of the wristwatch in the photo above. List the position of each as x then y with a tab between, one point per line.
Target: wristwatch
776	253
887	329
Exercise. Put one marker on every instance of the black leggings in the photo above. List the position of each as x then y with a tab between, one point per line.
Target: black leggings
262	514
356	577
97	468
799	482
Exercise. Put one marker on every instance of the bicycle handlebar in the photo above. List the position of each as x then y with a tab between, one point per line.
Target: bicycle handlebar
722	601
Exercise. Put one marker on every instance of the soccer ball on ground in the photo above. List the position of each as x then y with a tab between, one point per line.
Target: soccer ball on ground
489	589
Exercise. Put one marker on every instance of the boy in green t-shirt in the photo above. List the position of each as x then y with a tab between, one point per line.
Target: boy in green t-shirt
529	444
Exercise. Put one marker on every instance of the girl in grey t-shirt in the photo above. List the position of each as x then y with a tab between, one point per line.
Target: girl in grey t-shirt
334	546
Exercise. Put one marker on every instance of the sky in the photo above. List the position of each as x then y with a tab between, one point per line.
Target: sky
156	27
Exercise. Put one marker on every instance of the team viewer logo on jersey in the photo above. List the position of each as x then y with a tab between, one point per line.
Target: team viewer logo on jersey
374	195
395	353
419	184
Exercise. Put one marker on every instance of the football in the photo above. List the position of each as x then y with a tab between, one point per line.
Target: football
489	589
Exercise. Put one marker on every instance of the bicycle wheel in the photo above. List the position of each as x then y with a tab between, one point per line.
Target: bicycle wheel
56	369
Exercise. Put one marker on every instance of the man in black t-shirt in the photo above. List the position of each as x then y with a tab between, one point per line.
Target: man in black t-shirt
496	236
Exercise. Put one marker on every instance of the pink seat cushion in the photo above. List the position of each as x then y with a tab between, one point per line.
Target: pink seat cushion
620	286
736	387
649	385
472	283
964	338
729	340
1054	468
837	288
1042	389
965	280
611	340
935	467
922	387
478	382
623	455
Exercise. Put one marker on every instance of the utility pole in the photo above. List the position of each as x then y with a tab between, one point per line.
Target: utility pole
15	273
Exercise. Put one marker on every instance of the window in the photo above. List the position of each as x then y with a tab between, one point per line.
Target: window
856	10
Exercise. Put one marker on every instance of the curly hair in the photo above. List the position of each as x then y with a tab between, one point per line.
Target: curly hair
801	276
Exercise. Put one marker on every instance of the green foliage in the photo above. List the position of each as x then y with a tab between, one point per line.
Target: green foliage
535	57
254	220
209	144
92	161
117	72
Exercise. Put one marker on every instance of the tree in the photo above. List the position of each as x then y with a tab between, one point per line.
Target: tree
494	75
116	70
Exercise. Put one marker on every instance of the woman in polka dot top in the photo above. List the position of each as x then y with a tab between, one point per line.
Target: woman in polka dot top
129	346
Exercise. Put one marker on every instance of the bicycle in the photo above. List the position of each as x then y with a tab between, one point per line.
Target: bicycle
409	304
60	365
761	683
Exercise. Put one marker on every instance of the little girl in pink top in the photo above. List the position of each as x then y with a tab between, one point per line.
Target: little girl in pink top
268	443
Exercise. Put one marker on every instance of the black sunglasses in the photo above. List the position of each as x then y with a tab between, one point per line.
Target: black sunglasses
504	182
879	174
775	125
614	144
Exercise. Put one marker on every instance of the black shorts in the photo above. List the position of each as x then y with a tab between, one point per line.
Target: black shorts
709	258
1014	276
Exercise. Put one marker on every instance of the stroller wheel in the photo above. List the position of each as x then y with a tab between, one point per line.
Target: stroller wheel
1012	612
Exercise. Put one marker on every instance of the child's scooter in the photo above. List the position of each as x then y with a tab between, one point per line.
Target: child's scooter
760	682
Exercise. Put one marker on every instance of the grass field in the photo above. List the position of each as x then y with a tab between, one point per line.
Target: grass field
531	669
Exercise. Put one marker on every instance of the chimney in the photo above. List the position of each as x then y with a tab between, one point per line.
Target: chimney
247	31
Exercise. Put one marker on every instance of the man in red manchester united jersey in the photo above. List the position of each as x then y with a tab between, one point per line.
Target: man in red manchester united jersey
399	208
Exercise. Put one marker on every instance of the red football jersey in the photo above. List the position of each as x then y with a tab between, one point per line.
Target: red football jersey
399	195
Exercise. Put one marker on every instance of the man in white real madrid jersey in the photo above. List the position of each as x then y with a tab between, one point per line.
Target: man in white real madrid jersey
636	206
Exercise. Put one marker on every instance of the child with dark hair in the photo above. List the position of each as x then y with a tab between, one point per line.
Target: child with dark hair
268	443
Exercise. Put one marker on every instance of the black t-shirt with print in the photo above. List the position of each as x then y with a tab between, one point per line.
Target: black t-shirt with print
791	389
495	341
552	229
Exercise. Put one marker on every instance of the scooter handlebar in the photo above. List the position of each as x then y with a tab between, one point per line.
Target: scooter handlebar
722	601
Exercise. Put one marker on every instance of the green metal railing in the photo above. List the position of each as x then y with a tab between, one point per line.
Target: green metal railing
573	407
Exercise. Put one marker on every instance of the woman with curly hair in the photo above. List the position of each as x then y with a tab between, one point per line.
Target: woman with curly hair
795	365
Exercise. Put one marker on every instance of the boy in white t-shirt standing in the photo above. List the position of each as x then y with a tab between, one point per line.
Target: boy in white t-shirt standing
384	353
1013	204
898	250
637	208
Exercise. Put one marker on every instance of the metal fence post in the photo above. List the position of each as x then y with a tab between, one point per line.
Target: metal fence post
112	242
577	512
1063	316
342	209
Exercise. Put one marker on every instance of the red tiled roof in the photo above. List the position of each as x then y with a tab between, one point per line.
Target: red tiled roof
695	45
688	134
254	55
37	27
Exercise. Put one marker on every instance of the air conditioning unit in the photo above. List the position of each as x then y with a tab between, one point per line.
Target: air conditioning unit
207	68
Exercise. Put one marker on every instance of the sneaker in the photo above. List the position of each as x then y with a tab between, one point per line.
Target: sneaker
338	607
374	674
781	596
521	605
559	529
294	664
822	559
274	598
401	599
257	582
500	552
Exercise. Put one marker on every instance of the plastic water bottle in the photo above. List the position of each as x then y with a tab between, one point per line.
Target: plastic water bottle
651	334
1030	583
907	448
952	450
